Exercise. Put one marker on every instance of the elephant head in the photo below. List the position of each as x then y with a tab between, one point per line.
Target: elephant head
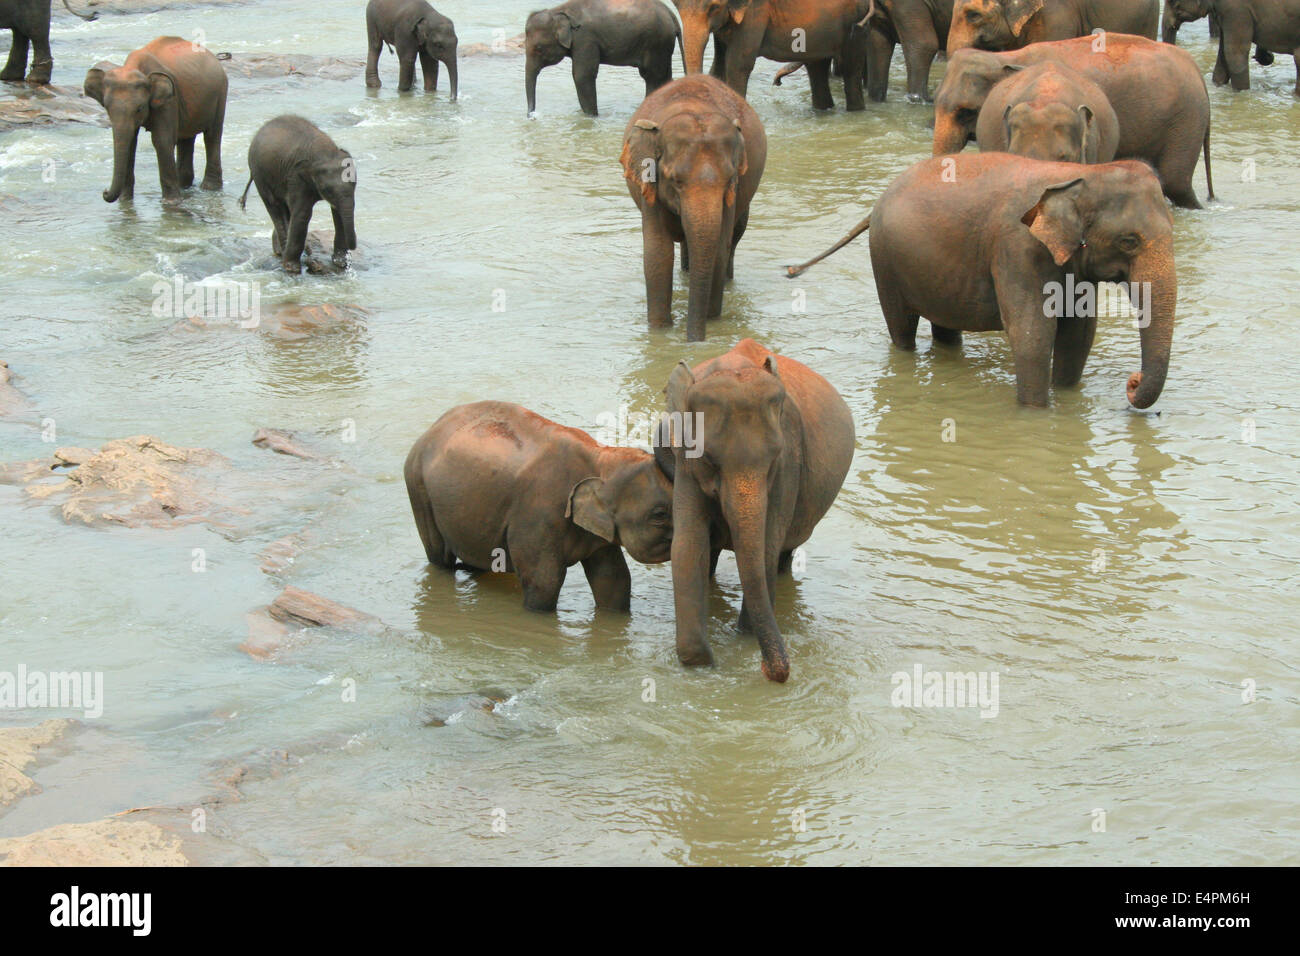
632	506
990	24
1113	225
692	165
742	473
1051	132
971	75
700	19
548	38
437	39
1178	12
133	99
335	180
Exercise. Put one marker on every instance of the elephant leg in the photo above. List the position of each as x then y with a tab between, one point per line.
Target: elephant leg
686	257
185	161
719	68
586	64
296	242
657	70
374	47
340	238
1030	334
1070	351
900	320
880	51
406	70
819	77
541	576
714	555
42	60
657	259
429	67
853	61
168	175
279	214
945	336
783	562
919	59
1296	56
742	223
611	583
212	173
16	66
1235	45
1220	68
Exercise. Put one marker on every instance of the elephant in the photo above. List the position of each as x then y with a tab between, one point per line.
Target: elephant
772	447
1156	90
805	31
29	20
640	33
979	243
494	486
295	165
413	27
1272	25
921	26
1012	24
1049	112
693	155
1169	25
176	90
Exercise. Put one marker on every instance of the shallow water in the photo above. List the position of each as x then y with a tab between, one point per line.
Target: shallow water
1122	573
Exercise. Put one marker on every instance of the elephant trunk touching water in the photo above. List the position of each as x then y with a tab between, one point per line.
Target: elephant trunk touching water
1154	269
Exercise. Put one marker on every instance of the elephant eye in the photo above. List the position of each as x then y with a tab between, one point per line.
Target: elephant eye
660	515
1128	243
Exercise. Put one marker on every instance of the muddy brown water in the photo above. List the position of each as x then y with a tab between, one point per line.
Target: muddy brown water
1128	577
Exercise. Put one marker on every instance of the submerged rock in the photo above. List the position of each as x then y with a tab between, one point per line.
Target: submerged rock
12	401
110	842
270	629
24	105
18	748
296	64
283	443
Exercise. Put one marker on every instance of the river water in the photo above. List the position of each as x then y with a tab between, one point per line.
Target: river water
1128	577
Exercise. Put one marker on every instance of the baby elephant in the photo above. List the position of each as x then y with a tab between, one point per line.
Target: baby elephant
638	33
295	166
495	486
1048	112
414	28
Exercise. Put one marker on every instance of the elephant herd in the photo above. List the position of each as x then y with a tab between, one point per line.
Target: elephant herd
1087	129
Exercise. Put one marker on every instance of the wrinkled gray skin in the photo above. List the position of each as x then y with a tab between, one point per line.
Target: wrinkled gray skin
921	26
775	441
1272	25
494	486
640	33
175	92
414	29
1049	112
295	166
30	22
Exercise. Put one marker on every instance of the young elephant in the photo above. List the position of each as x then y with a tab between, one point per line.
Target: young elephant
772	442
995	241
295	166
1156	90
638	33
1273	25
29	20
493	485
1013	24
174	89
414	27
693	154
1049	112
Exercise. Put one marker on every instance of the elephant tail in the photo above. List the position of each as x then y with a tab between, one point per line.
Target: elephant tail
859	229
244	198
92	16
1209	179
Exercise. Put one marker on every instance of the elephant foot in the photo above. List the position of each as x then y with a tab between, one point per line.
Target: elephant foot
293	268
38	79
211	185
372	82
340	260
698	657
915	98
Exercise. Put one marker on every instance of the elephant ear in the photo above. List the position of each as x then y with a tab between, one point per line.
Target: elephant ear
679	383
564	28
1020	12
94	85
1056	221
641	166
738	8
664	443
161	90
769	365
588	511
742	165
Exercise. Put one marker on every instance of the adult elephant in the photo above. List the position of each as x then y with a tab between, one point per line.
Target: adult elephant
414	28
812	32
921	26
994	241
640	33
1012	24
1156	90
29	20
1272	25
693	155
295	165
1049	112
174	89
774	442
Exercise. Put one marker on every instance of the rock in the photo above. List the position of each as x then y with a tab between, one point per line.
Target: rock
265	635
24	105
111	842
18	748
277	556
452	711
12	401
296	606
512	47
283	443
294	321
251	65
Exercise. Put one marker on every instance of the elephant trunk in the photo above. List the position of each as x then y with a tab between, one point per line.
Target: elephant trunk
124	136
744	500
950	136
531	69
1169	24
960	36
347	215
1154	271
695	37
452	75
702	222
